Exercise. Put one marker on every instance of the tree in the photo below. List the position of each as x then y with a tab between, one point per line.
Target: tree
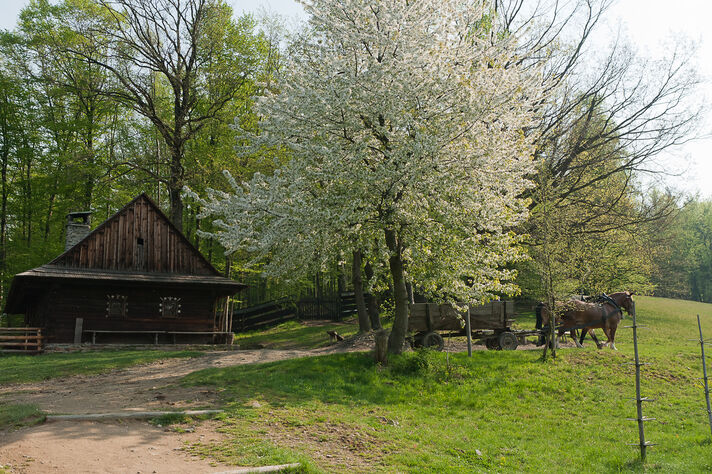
73	89
405	135
608	116
192	51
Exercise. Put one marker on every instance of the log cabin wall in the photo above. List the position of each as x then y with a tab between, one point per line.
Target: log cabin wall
67	302
139	238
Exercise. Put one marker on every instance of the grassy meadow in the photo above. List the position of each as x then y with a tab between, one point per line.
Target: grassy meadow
436	412
495	412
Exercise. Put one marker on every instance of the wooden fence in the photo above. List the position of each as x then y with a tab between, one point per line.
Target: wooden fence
322	297
262	316
21	340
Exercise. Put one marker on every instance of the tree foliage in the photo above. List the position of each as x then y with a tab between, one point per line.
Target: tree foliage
71	140
404	130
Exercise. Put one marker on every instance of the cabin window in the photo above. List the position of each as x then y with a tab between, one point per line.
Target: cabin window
116	306
170	307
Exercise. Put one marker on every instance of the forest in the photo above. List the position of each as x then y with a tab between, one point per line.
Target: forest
101	100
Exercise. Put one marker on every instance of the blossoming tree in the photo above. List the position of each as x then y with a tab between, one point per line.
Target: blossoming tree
403	121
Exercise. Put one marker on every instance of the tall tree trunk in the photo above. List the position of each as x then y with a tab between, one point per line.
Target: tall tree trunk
340	277
175	187
28	201
89	179
372	300
3	215
50	209
411	295
400	294
364	324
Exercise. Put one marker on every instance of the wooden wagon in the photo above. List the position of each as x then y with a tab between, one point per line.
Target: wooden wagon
491	322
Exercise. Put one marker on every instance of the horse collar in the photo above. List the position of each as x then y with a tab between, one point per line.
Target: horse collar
608	299
611	301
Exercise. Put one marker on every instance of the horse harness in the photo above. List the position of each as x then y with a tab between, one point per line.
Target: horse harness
604	298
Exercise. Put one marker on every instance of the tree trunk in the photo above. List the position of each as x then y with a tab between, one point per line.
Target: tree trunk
411	295
364	324
197	228
3	215
89	179
380	351
50	209
28	201
372	300
400	294
175	187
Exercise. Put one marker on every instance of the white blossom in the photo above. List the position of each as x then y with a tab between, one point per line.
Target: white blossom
402	115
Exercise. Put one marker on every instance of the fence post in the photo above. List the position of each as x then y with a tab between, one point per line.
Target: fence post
638	399
704	372
468	328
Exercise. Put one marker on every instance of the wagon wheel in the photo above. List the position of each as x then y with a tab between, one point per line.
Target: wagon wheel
508	341
492	344
433	340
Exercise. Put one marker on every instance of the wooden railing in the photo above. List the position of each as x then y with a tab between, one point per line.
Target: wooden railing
21	340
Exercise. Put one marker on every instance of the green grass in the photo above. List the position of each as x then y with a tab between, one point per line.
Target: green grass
494	412
16	416
295	335
22	368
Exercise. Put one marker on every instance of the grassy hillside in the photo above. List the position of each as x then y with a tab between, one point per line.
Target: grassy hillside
498	411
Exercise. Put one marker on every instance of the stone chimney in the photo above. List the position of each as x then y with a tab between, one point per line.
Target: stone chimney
77	227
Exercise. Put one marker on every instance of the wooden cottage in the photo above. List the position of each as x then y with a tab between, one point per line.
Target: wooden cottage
133	278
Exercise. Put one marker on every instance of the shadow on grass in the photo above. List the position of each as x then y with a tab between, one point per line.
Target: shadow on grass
22	369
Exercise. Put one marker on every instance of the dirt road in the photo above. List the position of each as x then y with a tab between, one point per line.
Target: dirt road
121	446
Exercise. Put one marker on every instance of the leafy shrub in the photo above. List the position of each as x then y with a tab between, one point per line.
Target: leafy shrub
388	309
424	362
412	363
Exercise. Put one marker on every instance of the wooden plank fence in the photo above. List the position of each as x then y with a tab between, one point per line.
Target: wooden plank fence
21	340
262	316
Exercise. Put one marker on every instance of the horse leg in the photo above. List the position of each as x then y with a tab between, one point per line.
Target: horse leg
595	339
607	332
612	331
579	342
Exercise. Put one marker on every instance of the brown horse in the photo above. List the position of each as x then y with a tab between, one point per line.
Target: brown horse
604	314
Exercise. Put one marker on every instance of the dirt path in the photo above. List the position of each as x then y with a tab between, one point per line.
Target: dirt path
138	388
122	446
112	447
